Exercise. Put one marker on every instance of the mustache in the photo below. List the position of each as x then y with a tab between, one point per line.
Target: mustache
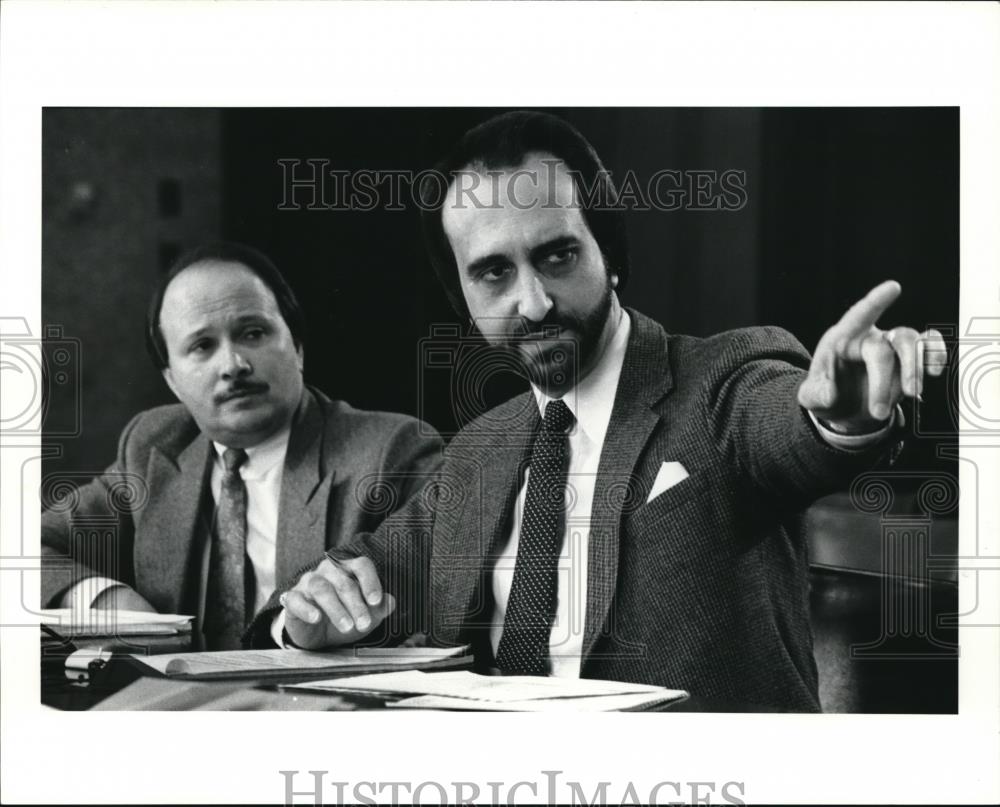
552	327
239	389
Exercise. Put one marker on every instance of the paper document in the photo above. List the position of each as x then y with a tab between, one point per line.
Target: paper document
96	622
589	703
278	663
511	692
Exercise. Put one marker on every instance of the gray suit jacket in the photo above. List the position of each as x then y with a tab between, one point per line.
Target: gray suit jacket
703	588
345	470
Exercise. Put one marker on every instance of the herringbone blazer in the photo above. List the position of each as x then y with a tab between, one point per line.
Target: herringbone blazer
702	588
345	470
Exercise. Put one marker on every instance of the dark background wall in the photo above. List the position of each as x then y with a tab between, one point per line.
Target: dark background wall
110	182
837	200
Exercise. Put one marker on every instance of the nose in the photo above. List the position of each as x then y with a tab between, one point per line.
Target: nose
533	301
234	363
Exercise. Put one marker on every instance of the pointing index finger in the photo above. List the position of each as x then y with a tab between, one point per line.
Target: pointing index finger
861	316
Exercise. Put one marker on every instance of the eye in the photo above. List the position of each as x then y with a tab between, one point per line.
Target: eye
254	334
560	258
495	274
200	347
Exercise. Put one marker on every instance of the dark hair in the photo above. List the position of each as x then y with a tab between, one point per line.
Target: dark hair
254	260
503	142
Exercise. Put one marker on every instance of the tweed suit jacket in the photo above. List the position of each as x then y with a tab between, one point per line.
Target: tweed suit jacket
702	588
344	471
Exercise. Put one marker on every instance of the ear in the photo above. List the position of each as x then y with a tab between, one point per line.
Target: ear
614	281
169	378
300	354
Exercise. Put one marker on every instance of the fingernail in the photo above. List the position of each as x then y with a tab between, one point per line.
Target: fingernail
880	411
374	598
345	625
363	622
313	616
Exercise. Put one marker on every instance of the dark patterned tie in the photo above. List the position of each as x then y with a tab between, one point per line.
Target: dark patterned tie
524	643
225	605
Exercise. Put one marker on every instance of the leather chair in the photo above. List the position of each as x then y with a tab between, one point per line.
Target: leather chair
884	599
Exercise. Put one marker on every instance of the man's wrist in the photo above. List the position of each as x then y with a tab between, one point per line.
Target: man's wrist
863	428
836	435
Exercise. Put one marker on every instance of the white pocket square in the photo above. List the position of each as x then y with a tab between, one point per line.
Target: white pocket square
669	475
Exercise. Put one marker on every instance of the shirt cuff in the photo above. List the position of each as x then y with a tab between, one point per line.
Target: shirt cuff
81	596
278	630
854	442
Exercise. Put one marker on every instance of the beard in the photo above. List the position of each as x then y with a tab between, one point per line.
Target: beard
557	352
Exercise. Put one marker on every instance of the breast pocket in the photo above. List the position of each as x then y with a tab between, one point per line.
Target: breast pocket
661	508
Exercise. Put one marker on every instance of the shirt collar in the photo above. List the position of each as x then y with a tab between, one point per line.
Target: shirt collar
262	457
592	400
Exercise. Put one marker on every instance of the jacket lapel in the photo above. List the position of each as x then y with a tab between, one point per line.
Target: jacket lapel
305	493
494	466
644	380
166	539
503	466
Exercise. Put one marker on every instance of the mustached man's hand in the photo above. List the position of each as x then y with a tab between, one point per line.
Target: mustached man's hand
859	372
338	603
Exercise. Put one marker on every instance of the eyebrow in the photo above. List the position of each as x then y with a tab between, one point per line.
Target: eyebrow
487	261
257	318
240	321
552	245
190	339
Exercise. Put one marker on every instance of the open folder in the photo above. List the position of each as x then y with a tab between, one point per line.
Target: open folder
513	693
265	664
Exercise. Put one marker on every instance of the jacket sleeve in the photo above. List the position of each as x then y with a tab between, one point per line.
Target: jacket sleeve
411	458
410	464
400	549
759	428
89	531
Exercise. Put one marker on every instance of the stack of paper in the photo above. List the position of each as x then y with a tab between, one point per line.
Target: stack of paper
469	691
70	622
233	664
